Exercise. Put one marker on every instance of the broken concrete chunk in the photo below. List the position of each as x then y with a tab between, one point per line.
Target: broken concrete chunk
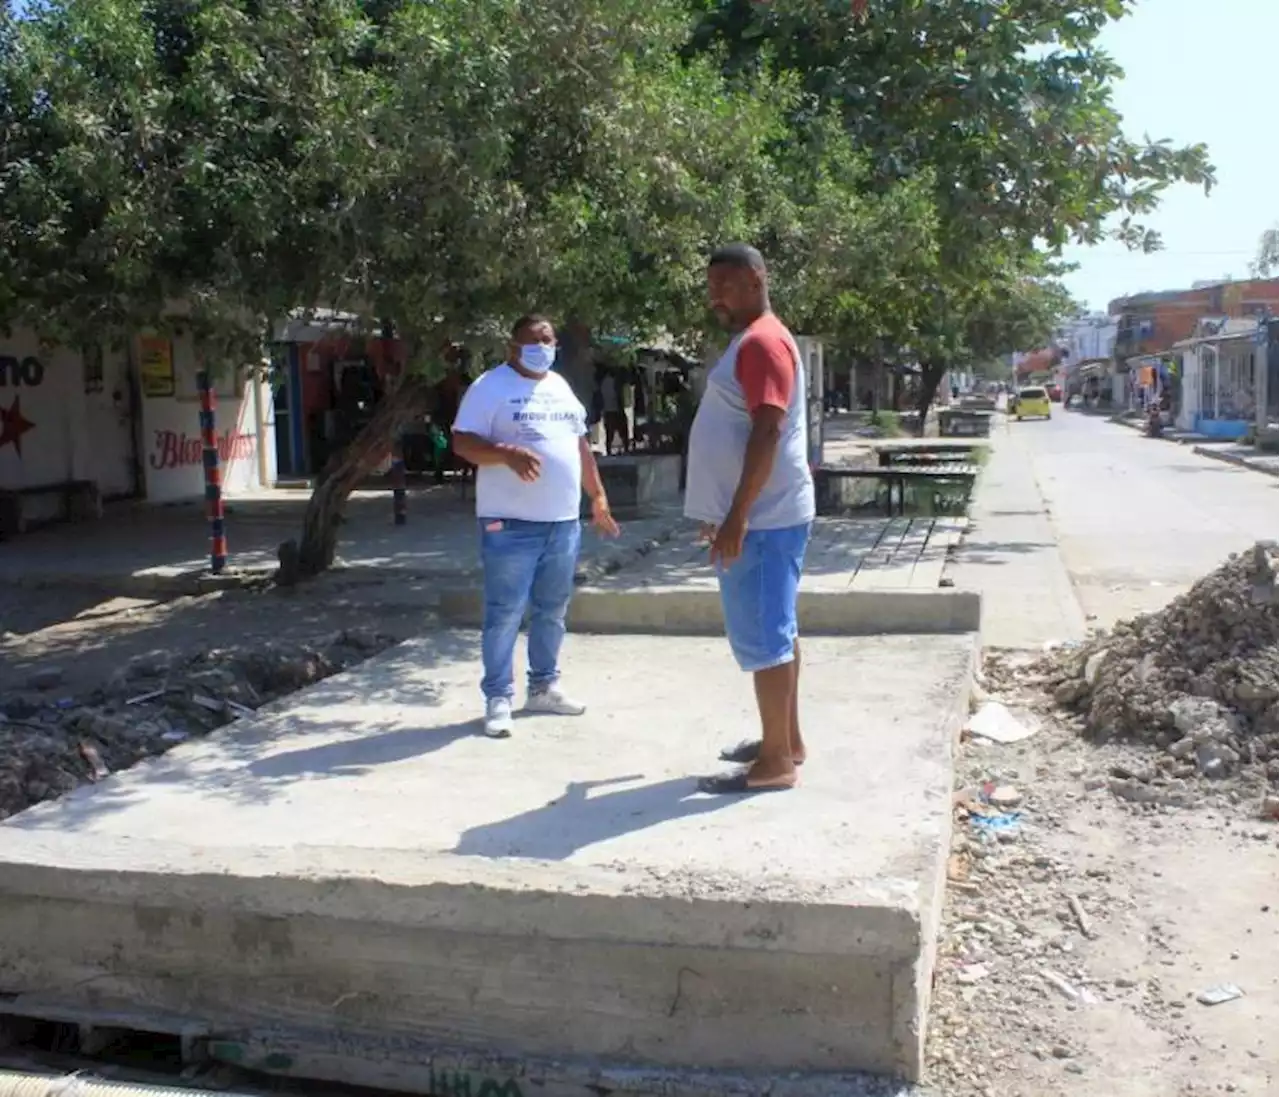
1219	994
1071	691
1215	759
1093	665
1004	797
993	721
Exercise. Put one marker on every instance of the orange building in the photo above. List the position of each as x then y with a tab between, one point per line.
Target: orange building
1151	323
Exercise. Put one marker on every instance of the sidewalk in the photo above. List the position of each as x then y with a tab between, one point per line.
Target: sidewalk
145	549
1245	456
844	554
1011	555
1233	453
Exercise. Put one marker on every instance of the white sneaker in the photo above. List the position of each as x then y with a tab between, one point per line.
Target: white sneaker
497	718
552	702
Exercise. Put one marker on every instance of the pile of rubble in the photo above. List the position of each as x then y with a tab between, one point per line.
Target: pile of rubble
1196	680
49	743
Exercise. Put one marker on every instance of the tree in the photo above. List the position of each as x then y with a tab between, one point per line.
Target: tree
555	156
433	168
173	153
1008	110
1267	261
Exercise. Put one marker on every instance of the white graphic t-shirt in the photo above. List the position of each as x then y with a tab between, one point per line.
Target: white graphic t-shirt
542	416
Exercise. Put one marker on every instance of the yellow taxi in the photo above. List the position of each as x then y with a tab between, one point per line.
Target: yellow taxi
1033	403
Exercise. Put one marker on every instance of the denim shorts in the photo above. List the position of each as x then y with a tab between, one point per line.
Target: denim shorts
758	594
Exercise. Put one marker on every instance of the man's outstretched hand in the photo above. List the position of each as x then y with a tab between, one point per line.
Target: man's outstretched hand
602	517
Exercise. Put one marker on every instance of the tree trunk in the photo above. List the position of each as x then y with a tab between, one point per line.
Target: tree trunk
315	552
931	374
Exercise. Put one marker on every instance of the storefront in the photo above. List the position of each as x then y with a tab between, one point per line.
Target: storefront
58	427
121	421
327	379
172	451
1220	380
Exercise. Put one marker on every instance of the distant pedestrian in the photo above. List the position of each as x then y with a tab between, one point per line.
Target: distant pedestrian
750	485
523	428
612	398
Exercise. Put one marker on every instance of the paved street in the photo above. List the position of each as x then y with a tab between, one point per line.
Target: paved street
1079	522
1138	520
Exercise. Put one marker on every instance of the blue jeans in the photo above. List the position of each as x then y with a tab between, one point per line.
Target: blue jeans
758	594
527	565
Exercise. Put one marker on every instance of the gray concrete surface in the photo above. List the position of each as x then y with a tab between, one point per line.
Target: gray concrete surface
695	610
843	554
1010	555
363	871
1079	522
1139	520
1245	456
873	576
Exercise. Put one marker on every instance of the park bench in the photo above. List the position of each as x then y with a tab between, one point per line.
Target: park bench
898	475
39	504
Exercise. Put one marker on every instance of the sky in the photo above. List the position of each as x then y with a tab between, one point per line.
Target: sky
1196	72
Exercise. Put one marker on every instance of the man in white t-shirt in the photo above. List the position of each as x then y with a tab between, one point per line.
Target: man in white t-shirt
523	428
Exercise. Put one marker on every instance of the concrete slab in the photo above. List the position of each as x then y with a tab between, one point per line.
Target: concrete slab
863	577
358	884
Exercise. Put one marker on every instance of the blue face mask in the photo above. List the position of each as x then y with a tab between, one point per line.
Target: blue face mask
537	357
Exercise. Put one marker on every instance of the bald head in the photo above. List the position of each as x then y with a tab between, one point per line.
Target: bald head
737	285
741	256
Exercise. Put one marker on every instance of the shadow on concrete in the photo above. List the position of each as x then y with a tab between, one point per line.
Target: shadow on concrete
353	757
996	553
1219	468
577	820
840	546
23	612
136	546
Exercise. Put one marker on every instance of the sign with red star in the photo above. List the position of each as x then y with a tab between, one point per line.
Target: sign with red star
13	426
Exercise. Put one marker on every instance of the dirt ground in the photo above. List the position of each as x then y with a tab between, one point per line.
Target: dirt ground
1076	941
87	637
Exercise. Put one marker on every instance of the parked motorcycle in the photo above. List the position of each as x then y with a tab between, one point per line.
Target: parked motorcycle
1155	421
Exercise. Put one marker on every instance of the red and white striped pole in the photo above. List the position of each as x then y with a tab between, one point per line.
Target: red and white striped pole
212	474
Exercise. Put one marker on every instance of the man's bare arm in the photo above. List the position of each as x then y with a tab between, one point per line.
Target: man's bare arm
601	517
479	451
591	482
757	462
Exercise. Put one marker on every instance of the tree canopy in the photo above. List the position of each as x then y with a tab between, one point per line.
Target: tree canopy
1006	109
909	169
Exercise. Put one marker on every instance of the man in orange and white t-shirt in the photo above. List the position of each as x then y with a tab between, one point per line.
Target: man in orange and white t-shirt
750	485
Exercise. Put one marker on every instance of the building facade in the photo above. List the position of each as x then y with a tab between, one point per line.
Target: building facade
1150	325
124	419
